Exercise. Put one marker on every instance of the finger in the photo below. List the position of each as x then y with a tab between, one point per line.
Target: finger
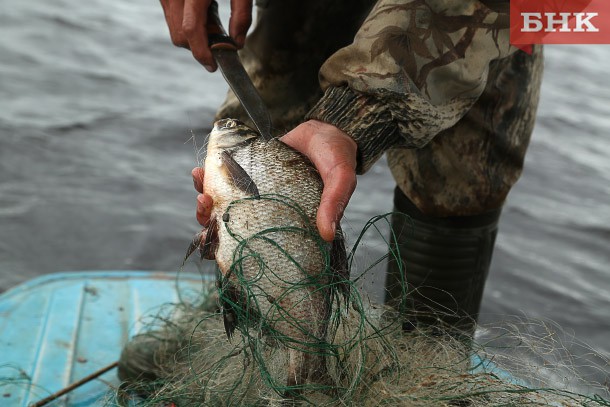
173	16
194	28
197	173
204	209
240	21
339	185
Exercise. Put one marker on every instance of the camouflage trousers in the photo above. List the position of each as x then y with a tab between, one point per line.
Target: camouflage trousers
467	169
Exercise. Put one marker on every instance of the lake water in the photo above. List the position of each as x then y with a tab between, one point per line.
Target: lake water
97	116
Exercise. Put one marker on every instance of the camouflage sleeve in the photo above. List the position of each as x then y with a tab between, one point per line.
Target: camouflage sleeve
415	68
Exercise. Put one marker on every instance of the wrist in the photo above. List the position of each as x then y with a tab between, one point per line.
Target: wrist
366	119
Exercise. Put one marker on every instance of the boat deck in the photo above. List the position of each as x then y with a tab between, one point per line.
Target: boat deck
59	328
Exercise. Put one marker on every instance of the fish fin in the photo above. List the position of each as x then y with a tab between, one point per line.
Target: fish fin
240	177
229	298
230	321
195	244
210	244
339	265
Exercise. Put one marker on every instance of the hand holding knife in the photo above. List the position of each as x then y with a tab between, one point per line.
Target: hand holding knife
225	54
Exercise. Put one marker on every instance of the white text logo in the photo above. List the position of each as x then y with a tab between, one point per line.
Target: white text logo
558	22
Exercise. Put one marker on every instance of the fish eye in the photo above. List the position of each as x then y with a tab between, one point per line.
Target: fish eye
227	124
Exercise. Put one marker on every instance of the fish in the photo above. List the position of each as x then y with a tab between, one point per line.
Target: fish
274	268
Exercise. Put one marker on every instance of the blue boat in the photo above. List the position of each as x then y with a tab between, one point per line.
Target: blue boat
60	328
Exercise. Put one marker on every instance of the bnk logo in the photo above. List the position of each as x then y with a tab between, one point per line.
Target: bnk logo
559	22
534	22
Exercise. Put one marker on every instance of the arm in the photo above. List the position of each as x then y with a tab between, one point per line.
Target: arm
414	69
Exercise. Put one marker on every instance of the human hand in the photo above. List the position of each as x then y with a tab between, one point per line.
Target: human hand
333	153
187	20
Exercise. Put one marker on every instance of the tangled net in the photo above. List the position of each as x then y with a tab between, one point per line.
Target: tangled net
369	359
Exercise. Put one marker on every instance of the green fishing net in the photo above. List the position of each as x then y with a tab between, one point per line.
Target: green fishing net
184	358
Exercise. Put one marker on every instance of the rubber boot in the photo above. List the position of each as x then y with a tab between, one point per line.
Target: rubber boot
445	262
283	54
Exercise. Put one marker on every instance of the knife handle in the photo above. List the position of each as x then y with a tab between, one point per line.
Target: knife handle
217	36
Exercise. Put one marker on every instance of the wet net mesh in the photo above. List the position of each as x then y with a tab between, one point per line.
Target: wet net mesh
184	357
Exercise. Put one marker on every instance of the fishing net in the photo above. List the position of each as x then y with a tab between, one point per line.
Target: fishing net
184	357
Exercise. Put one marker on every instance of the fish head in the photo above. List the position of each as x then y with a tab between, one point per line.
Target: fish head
229	134
225	179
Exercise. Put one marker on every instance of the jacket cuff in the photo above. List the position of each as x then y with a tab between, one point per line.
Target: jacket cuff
363	117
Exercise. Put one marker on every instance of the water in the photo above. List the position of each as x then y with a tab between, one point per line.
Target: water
97	112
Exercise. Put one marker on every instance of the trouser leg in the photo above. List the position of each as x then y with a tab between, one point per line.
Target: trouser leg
453	190
444	264
283	54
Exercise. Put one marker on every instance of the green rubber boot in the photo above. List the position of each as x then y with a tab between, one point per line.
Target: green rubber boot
445	262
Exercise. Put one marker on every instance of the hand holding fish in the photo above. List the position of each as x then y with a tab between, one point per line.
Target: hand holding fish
334	155
187	19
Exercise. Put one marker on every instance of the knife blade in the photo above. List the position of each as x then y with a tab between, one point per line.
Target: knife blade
224	51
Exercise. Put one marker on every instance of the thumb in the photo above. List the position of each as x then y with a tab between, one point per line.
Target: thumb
339	185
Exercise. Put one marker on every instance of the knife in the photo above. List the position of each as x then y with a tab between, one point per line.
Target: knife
224	51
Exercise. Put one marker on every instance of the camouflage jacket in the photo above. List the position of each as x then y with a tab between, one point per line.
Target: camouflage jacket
414	69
